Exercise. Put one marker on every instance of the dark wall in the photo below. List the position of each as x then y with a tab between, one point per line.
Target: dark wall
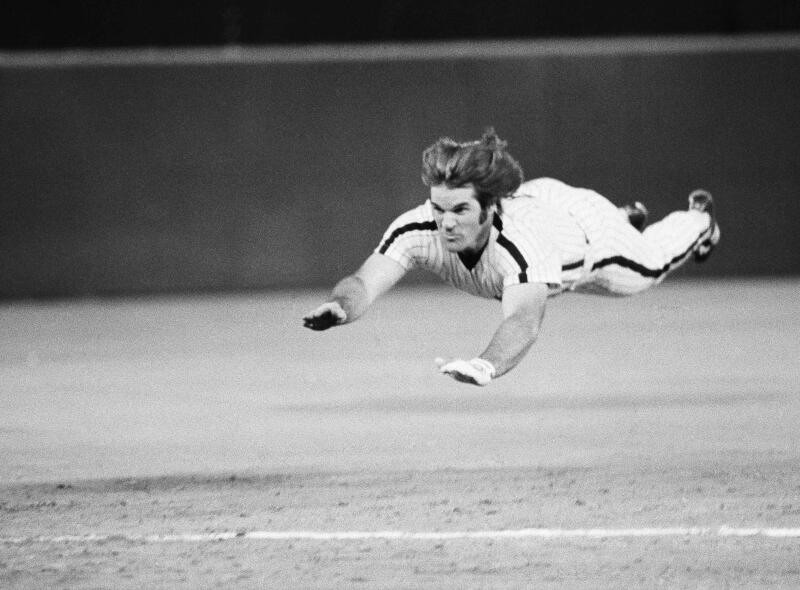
268	173
32	24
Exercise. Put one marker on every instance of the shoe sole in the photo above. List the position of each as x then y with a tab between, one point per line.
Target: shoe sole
702	200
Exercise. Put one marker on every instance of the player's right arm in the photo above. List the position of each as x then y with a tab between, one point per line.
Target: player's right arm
353	295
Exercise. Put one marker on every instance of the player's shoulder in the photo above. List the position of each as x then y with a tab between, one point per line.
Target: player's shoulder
410	230
525	252
527	224
524	224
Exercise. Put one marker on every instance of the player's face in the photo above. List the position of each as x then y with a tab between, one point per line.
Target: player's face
463	226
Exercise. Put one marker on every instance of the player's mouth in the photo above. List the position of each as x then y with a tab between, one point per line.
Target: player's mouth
452	242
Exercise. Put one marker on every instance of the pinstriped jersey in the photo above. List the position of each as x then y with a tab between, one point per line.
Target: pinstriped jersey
590	210
531	240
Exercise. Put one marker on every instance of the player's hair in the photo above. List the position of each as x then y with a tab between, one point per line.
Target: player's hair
485	164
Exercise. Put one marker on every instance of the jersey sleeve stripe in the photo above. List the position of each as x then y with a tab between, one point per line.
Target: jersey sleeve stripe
503	241
425	225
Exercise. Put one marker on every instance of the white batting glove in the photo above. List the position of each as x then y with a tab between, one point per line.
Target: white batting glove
325	316
477	371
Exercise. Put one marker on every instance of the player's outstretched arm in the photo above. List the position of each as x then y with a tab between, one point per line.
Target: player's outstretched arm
353	295
523	311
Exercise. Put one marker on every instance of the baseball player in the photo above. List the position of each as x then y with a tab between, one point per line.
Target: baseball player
486	232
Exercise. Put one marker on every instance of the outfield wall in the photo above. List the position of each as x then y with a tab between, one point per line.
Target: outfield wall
153	171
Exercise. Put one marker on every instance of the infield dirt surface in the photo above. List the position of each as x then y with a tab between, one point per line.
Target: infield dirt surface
129	418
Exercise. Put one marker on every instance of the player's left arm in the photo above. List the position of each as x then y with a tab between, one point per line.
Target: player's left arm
523	311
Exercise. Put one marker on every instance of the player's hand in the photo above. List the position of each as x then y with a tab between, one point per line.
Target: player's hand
476	371
325	316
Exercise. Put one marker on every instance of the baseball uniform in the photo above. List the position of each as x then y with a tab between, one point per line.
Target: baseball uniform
570	238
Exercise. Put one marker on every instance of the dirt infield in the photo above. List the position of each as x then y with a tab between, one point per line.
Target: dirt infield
128	420
412	501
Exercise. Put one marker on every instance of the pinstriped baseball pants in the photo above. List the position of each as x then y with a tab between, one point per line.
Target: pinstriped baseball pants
621	261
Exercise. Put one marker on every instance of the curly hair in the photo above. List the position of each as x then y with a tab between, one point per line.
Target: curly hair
485	164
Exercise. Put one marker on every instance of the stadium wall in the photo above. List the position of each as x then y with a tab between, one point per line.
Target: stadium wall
227	169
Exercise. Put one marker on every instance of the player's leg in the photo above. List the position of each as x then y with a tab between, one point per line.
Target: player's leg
625	261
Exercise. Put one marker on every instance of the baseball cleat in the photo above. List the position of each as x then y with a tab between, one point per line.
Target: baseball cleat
701	200
637	214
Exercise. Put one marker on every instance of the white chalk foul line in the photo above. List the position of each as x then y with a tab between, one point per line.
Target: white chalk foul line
538	533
